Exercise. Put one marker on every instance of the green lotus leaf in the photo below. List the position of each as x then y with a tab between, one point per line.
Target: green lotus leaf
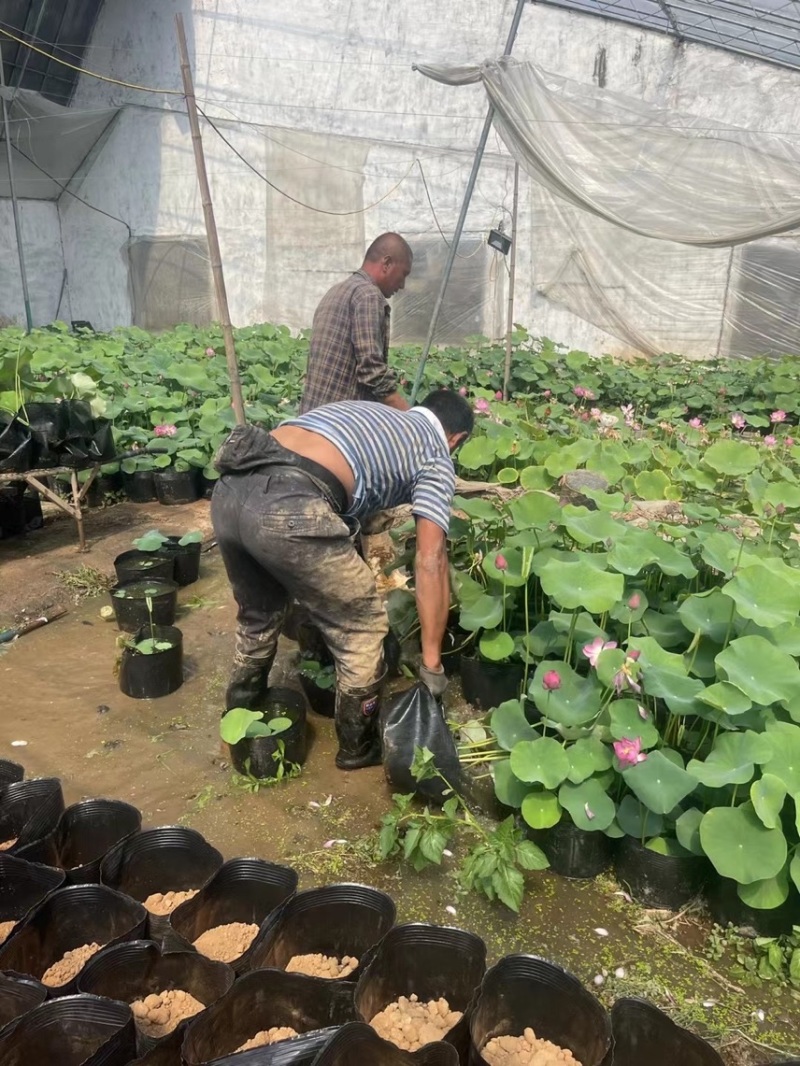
651	654
768	795
681	694
543	761
570	457
794	869
726	697
779	492
485	613
476	507
687	830
720	551
508	789
623	612
479	451
760	670
763	596
653	485
628	724
513	576
508	475
541	810
667	629
576	701
589	805
766	895
535	477
732	458
659	783
636	820
590	527
580	584
496	646
785	762
584	628
587	756
534	510
739	846
235	724
709	613
732	759
509	725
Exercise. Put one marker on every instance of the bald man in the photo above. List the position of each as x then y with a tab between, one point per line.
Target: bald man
348	358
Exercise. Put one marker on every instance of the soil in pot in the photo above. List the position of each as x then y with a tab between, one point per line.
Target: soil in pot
158	1014
574	852
65	969
162	903
153	666
5	929
134	565
526	1050
129	601
177	486
409	1024
326	966
267	1037
486	685
6	844
224	943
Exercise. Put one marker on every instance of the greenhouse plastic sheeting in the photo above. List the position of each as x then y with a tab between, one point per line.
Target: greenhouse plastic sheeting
655	226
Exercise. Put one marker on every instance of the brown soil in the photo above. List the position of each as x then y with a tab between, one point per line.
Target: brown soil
409	1024
159	1013
526	1050
8	844
165	902
322	966
5	929
224	943
268	1036
69	965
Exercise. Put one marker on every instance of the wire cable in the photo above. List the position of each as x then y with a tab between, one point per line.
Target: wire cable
435	217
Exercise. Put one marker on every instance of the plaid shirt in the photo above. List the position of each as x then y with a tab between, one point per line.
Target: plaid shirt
348	358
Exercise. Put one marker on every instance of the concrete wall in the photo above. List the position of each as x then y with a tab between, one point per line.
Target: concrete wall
339	71
44	262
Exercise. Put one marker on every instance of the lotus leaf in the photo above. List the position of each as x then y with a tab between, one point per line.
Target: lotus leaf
581	584
739	846
589	805
659	783
541	810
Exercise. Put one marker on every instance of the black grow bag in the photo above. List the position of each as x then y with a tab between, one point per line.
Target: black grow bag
242	890
413	720
85	832
137	969
134	565
171	858
727	908
263	999
185	558
486	685
16	445
12	510
660	881
359	1043
177	486
140	486
524	991
69	918
18	995
334	920
256	755
23	886
431	961
129	601
148	677
574	852
322	701
643	1034
10	772
29	810
73	1031
46	429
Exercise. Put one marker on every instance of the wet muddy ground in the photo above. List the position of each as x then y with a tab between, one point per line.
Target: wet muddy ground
59	694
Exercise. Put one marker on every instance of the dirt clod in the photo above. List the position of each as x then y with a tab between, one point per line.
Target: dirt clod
224	943
526	1050
8	844
159	1013
322	966
69	965
268	1036
5	929
166	902
409	1024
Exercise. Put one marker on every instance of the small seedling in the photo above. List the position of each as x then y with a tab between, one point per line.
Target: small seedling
285	770
240	723
154	540
323	676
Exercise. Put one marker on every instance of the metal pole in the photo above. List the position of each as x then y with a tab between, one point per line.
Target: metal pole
511	280
14	205
473	177
211	226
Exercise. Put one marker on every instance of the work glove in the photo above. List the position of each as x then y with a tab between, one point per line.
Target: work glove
434	680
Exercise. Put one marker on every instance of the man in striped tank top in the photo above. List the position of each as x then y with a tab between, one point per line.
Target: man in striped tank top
286	511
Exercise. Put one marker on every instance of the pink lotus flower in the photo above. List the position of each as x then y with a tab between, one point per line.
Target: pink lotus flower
588	394
551	681
788	441
595	412
780	508
579	391
770	441
165	431
634	654
210	352
695	423
624	677
498	395
629	752
462	391
592	651
778	416
635	602
481	406
738	421
547	394
501	562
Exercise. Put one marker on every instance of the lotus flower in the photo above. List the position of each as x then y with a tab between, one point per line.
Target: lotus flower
634	654
629	751
635	602
695	423
481	406
592	651
547	393
770	441
551	680
501	562
462	391
778	416
579	391
165	431
623	680
210	352
498	395
788	441
780	508
738	421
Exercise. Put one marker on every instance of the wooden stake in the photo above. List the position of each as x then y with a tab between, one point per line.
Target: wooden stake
511	282
211	225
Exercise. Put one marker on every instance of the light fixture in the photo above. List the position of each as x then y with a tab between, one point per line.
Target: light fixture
499	240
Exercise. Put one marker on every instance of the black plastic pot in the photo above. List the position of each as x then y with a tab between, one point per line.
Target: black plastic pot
129	601
177	486
139	566
310	1005
32	509
148	677
525	991
23	886
334	920
73	1031
456	644
167	1052
70	917
207	485
171	858
486	685
140	486
256	755
12	510
85	832
429	961
359	1043
644	1034
18	995
186	559
137	969
16	445
103	485
242	890
321	700
46	429
726	908
574	852
10	772
29	810
660	881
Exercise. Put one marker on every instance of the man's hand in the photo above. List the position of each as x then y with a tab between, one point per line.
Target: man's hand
435	680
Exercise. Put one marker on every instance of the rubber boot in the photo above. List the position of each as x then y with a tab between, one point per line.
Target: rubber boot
357	727
248	685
